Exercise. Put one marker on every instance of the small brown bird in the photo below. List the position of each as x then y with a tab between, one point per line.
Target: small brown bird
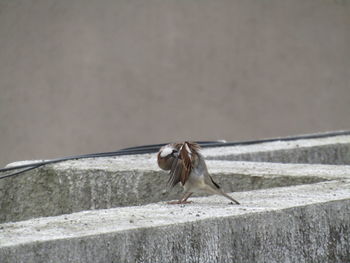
187	165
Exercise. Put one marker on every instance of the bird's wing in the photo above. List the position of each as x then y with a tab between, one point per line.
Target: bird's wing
175	172
186	156
183	164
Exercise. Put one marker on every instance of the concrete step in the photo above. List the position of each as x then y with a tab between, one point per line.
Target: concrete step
328	150
306	223
111	182
100	183
295	207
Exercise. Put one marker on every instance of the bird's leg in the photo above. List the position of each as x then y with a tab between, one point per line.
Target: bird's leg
186	196
183	199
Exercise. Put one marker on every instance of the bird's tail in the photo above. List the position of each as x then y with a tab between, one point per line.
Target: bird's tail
227	196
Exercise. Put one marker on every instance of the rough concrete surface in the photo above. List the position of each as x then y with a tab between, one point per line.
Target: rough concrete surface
100	183
328	150
308	223
110	182
109	209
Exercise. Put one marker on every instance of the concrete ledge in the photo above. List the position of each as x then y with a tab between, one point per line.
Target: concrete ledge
307	223
300	213
101	183
329	150
111	182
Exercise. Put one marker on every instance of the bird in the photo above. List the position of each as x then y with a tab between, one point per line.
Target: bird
186	165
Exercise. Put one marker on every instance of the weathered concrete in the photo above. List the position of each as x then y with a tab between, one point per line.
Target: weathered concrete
285	222
308	223
105	183
134	180
329	150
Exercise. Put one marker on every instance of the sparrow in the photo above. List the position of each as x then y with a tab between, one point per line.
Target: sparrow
187	166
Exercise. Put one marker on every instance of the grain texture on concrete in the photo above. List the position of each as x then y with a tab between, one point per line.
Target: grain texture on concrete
307	223
111	182
329	150
102	183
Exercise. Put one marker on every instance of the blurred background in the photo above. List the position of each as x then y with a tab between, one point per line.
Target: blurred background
82	76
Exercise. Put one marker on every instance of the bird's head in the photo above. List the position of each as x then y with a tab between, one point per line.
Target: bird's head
166	156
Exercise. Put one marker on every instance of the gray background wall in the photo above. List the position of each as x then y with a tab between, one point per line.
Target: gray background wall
79	76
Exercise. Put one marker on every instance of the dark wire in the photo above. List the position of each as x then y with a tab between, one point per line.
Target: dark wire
127	151
152	148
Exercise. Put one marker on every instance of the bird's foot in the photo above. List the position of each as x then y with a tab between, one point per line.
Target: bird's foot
179	202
